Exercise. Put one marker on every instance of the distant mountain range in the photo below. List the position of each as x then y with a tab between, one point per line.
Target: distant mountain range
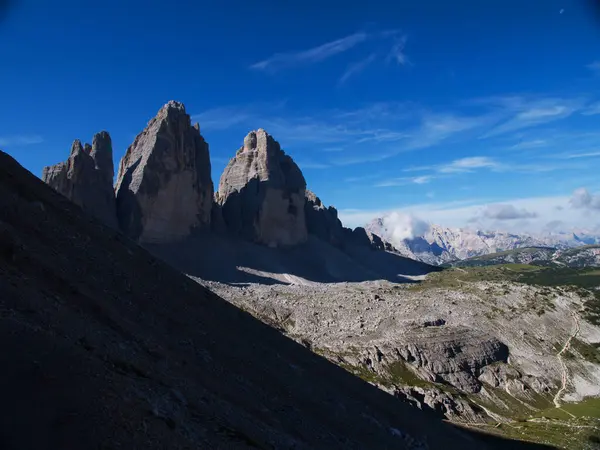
439	245
577	257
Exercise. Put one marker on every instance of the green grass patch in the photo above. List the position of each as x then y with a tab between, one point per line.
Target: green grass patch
590	407
572	426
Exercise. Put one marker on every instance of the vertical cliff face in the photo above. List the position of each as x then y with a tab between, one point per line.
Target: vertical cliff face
86	178
164	187
262	193
323	221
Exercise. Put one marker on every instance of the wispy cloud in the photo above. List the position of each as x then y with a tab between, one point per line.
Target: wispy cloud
226	117
308	164
396	53
436	128
476	163
361	178
312	55
592	109
422	179
20	141
530	144
220	118
403	181
356	68
594	67
520	112
469	164
388	129
592	154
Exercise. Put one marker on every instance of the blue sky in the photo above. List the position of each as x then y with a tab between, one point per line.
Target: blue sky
472	113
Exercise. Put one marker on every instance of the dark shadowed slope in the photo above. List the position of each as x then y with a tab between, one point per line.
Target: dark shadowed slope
102	346
233	260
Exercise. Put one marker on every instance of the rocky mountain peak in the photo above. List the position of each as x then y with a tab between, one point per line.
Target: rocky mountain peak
77	148
172	106
102	154
86	177
164	186
261	193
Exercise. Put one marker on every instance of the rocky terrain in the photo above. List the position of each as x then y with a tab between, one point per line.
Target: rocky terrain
104	346
439	245
477	346
584	256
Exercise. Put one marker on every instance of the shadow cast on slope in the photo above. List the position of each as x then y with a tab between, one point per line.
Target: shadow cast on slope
103	347
233	260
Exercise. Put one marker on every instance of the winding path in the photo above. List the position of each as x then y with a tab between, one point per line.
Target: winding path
565	370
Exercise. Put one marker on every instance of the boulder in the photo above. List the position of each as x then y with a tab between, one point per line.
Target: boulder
86	178
261	193
164	187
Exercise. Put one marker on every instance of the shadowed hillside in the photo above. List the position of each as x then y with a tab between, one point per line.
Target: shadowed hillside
103	346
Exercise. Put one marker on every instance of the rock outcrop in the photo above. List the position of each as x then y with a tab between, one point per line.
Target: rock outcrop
86	178
261	193
441	403
363	238
164	187
322	221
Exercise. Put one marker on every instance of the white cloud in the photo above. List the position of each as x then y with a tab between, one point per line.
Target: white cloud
356	68
535	143
20	141
469	164
312	165
422	179
542	113
555	225
312	55
404	226
592	154
582	199
403	181
504	211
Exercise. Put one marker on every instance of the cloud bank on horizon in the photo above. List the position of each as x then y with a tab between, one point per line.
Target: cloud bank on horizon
580	211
